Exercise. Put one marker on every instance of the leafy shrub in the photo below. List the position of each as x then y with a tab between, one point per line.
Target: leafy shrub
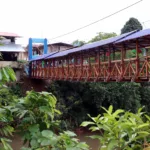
120	130
48	140
76	99
6	75
36	112
70	102
6	129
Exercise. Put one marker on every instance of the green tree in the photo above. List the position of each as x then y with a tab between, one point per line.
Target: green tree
131	25
78	43
102	36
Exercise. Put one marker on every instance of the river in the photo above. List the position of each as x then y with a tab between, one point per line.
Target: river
94	144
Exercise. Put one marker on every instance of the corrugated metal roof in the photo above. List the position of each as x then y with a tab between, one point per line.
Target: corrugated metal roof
11	48
60	43
136	35
91	45
44	56
7	34
37	45
59	54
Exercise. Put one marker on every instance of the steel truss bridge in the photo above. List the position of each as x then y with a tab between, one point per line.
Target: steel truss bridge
121	58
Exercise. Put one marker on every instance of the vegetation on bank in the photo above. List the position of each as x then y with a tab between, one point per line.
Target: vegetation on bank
121	130
77	99
33	116
37	117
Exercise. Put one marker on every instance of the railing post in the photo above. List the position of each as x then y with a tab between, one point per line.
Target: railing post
49	68
122	62
74	69
53	70
109	65
61	68
81	65
98	64
146	63
67	68
89	67
137	60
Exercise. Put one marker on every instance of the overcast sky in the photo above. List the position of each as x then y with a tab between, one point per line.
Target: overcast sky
51	18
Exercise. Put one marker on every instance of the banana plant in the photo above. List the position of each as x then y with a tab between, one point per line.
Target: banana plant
7	74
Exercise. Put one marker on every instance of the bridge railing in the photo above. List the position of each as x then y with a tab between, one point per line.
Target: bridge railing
132	69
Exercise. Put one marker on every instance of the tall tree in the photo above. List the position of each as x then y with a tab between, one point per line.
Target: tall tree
131	25
102	36
78	43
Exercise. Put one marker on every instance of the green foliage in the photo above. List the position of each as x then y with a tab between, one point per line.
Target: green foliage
145	97
36	112
70	102
48	140
7	74
76	99
37	108
120	130
7	96
131	25
102	36
16	90
4	144
6	129
78	43
120	95
33	116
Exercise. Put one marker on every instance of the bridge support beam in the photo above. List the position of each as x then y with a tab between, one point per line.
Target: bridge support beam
36	40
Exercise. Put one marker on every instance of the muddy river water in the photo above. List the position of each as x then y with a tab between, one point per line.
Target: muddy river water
94	144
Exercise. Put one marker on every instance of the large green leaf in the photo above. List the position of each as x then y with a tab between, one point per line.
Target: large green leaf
86	123
112	144
34	128
47	133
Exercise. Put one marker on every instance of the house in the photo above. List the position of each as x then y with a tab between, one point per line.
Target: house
9	50
54	47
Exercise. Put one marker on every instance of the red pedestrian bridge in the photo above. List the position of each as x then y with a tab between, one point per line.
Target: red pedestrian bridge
121	58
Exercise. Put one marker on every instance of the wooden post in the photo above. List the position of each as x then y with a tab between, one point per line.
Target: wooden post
137	58
67	67
74	67
53	70
49	68
109	65
89	67
81	65
146	62
62	69
98	64
122	62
